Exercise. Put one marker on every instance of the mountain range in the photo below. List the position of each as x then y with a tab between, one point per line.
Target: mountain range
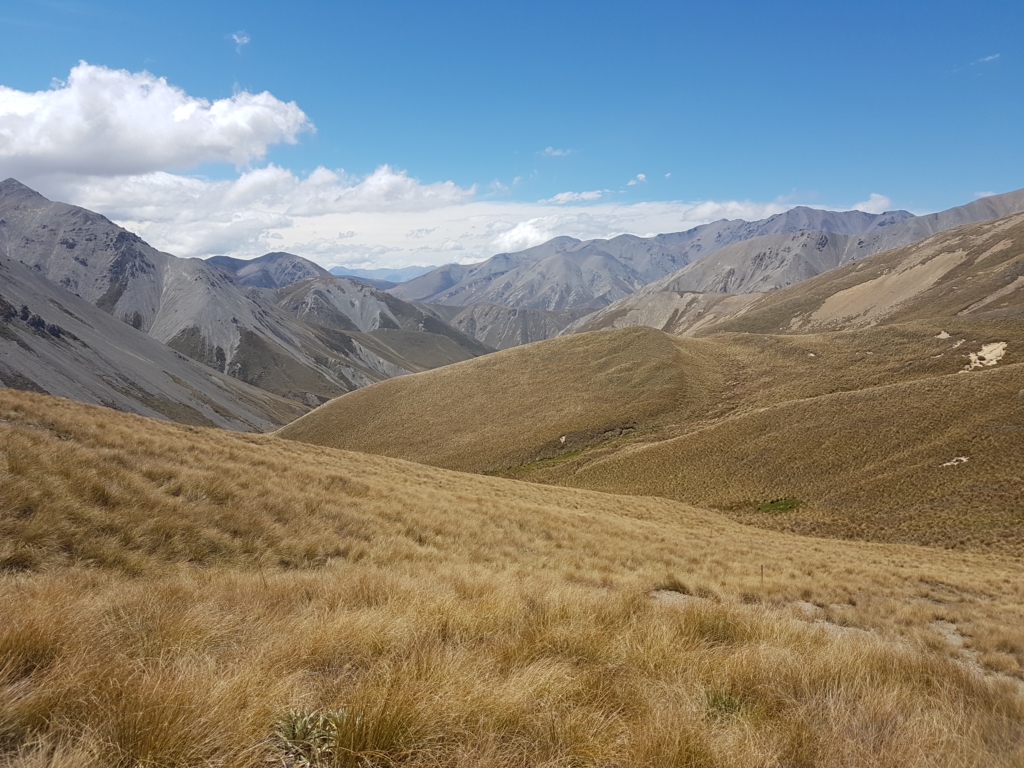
727	256
853	395
291	328
245	320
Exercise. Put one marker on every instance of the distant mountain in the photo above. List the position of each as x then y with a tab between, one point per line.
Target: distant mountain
223	313
55	342
974	272
971	271
770	262
565	273
272	270
385	274
505	327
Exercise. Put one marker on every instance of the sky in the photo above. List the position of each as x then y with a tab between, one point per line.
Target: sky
397	133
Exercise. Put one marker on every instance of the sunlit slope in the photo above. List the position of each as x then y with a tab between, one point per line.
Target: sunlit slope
972	272
604	390
935	462
516	405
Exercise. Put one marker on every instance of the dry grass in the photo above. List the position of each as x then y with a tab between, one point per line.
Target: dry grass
873	464
856	425
515	405
182	596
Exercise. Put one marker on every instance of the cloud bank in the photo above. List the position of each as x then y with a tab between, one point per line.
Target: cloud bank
108	122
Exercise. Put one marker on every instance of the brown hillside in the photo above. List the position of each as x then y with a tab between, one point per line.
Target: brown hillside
933	462
853	424
174	595
515	405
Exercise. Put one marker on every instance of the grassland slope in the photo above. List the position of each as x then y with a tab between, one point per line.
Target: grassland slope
934	461
173	595
517	405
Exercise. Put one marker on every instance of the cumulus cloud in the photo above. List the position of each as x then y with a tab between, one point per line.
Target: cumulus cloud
107	122
574	197
874	204
109	139
640	178
525	234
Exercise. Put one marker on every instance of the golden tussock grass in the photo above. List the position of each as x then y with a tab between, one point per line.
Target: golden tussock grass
882	463
181	596
856	425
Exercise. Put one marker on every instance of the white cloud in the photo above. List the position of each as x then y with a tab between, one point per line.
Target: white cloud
417	234
106	122
574	197
874	204
240	39
979	195
552	152
640	178
525	234
986	59
319	216
668	175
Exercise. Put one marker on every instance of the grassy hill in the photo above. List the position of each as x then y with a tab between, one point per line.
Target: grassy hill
934	462
174	595
516	405
855	425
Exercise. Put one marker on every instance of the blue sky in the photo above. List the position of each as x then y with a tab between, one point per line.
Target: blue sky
534	112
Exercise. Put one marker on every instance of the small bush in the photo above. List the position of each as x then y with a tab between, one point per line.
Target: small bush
780	505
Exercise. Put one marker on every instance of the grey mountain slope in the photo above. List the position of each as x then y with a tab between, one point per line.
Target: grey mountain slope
565	273
65	346
382	274
505	327
193	306
272	270
771	262
349	305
